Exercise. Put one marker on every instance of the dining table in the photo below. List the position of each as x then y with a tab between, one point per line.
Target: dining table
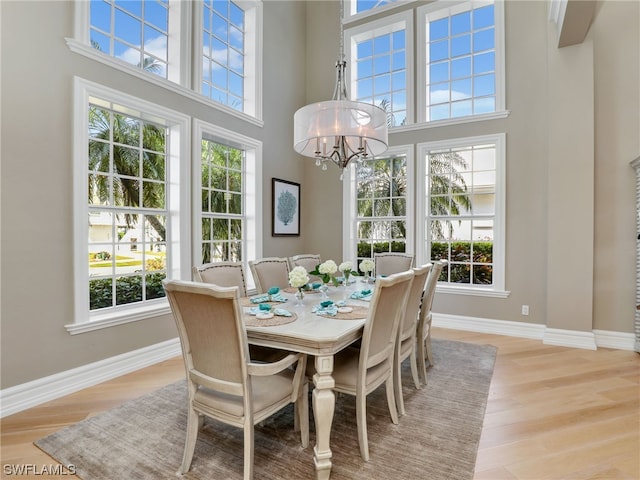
320	337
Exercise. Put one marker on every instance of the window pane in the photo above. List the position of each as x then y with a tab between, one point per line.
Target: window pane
467	40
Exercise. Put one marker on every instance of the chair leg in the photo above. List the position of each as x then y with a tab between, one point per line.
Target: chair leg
428	350
414	369
193	422
361	421
248	450
302	415
422	367
397	384
391	400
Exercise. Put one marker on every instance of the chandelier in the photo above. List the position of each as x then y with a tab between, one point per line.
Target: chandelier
340	130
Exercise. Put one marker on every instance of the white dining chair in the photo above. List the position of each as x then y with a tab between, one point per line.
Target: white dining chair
223	274
392	262
222	382
407	346
425	353
358	371
307	260
270	272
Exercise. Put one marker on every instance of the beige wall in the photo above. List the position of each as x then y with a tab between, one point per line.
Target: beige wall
36	183
300	46
556	98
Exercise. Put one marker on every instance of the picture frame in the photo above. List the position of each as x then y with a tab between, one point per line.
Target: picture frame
285	208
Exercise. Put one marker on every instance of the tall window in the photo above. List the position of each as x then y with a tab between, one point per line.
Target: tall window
136	32
460	60
127	189
379	67
212	49
379	206
458	64
227	176
223	53
222	209
463	221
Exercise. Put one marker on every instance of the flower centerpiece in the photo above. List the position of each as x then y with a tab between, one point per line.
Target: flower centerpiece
325	271
347	270
298	278
367	265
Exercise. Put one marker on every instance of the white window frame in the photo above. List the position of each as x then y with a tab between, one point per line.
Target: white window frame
351	13
350	202
381	27
421	97
497	289
252	194
183	72
178	198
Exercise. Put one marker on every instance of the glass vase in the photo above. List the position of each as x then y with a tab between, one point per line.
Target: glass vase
299	297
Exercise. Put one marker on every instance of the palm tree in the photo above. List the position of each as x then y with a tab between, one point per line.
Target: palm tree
126	164
447	183
222	173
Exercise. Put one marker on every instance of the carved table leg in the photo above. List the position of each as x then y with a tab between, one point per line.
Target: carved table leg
324	401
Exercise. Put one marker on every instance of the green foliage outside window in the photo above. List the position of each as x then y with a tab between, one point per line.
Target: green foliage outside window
128	290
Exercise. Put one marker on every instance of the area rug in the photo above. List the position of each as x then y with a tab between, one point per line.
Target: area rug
437	439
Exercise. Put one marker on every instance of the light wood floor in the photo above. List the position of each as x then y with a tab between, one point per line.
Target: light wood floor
553	412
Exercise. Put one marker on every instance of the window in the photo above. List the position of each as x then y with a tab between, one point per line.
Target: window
380	73
458	63
222	189
126	195
227	170
209	51
460	48
464	209
136	32
382	215
223	53
360	6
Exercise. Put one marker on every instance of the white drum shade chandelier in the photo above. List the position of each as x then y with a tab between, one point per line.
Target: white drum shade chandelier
340	130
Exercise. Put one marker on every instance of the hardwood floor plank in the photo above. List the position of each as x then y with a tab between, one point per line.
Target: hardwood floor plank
552	413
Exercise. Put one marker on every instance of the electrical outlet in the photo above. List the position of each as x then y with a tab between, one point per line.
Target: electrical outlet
525	309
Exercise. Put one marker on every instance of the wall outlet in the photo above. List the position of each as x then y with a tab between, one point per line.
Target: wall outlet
525	309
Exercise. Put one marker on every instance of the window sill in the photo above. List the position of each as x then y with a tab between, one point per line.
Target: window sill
451	121
107	320
89	52
472	291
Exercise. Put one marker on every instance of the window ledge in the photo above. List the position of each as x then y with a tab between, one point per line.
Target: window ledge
106	320
451	121
473	291
92	53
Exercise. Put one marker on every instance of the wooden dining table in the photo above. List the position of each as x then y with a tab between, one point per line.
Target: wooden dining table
322	337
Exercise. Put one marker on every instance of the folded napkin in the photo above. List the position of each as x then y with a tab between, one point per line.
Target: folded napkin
265	307
260	298
362	295
273	290
277	298
325	308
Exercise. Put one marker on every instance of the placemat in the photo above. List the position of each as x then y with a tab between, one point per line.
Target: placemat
358	312
252	321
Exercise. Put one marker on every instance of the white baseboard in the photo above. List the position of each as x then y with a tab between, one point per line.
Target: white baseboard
549	336
27	395
570	338
30	394
485	325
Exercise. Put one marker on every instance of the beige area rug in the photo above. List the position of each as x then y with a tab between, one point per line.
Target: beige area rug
437	439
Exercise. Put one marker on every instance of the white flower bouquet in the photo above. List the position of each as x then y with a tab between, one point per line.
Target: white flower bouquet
298	277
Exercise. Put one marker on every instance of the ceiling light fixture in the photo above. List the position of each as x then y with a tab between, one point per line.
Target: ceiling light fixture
340	130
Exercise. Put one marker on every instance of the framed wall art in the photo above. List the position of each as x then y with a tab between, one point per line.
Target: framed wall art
285	208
